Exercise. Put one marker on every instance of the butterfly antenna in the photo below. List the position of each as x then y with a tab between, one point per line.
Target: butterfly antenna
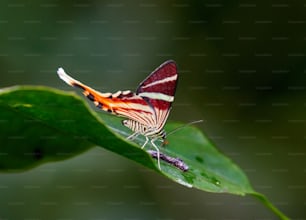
183	126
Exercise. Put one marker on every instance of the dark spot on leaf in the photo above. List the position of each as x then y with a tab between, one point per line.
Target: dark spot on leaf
215	181
199	159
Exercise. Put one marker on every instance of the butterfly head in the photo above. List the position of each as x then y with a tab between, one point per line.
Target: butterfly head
163	136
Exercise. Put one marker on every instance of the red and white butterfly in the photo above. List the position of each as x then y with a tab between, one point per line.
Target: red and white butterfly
146	110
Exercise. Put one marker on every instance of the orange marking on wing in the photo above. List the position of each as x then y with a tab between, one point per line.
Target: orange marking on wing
106	102
126	103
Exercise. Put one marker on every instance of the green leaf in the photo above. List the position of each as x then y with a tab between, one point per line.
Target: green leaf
40	124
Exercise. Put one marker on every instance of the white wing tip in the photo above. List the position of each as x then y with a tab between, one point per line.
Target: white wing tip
64	76
60	71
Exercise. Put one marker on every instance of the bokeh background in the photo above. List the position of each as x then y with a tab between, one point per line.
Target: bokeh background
242	70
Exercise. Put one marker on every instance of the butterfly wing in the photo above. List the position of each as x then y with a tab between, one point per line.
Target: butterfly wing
158	89
121	103
151	103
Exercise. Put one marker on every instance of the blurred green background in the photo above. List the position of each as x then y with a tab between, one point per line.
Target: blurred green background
242	70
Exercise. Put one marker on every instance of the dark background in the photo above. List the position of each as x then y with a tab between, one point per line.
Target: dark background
242	70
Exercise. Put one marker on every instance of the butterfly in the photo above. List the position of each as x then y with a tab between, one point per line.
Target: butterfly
146	110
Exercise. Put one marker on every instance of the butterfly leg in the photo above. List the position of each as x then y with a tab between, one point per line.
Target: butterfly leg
158	153
145	143
132	136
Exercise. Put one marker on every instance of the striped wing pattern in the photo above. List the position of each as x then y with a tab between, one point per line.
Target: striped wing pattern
121	103
158	89
146	110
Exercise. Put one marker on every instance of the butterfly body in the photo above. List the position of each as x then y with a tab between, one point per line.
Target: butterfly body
146	110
